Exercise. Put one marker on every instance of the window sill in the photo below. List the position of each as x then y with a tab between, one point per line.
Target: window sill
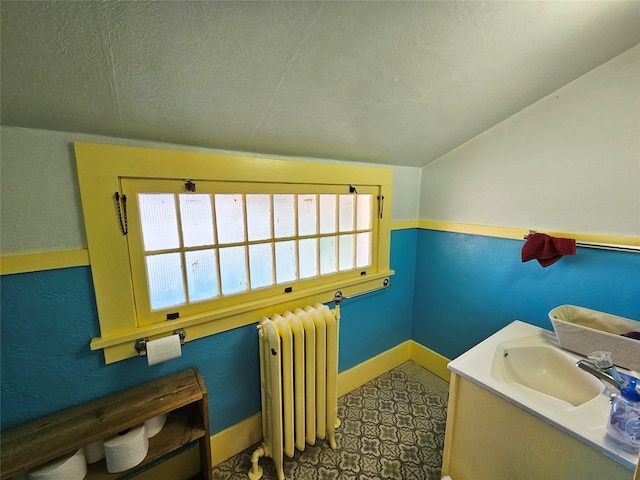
121	346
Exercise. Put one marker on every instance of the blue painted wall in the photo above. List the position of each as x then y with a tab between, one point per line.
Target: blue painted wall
467	287
376	322
49	317
450	291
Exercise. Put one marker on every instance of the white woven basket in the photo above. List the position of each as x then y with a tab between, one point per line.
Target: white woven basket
583	331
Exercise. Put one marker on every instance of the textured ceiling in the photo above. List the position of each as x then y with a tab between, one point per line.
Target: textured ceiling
383	82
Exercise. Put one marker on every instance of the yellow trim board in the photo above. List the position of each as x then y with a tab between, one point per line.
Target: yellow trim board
517	233
432	361
236	438
122	345
485	230
404	224
38	261
357	376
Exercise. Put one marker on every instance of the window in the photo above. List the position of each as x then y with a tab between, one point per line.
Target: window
217	241
198	246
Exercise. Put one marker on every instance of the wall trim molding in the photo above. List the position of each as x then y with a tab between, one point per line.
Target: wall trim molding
38	261
236	438
517	233
404	224
432	361
366	371
242	435
473	229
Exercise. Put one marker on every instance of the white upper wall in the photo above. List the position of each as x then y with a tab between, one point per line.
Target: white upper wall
41	209
569	162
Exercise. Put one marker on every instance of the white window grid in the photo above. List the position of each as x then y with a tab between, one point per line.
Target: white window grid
234	237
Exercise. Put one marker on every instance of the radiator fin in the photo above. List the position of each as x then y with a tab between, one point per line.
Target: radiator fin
298	376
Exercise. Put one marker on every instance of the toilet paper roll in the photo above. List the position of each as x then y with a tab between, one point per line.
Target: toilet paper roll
71	467
154	425
163	349
126	450
94	452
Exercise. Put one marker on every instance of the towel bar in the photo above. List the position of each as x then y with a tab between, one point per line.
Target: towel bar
339	297
601	246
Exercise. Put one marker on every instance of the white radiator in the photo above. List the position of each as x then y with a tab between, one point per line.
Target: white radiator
298	375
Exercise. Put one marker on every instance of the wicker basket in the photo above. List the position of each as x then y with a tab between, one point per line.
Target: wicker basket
584	331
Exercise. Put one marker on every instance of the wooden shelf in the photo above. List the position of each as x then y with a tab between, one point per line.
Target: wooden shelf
182	396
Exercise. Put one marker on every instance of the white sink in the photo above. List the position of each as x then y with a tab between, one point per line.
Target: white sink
524	365
545	369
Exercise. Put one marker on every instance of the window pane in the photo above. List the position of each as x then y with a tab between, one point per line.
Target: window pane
202	277
233	270
327	213
307	224
261	265
164	273
159	221
259	216
284	216
346	252
285	261
229	218
363	249
346	212
196	218
364	212
308	257
327	255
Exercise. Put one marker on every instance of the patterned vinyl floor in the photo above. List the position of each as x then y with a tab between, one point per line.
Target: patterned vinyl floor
391	428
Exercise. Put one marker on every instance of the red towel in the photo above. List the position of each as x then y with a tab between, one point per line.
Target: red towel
547	250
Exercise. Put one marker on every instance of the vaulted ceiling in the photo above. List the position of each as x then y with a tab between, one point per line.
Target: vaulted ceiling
397	83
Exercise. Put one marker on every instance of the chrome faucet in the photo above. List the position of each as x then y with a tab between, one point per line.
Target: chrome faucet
600	365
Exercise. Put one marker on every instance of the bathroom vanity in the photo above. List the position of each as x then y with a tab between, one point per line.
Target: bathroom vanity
528	421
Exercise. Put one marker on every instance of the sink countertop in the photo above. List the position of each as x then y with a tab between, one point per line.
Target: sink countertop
586	422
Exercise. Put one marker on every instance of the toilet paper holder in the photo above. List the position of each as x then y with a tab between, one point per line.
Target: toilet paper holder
141	343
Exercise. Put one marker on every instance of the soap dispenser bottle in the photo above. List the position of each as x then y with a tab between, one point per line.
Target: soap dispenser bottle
624	420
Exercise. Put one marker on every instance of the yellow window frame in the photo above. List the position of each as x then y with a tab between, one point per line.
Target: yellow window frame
146	316
101	170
